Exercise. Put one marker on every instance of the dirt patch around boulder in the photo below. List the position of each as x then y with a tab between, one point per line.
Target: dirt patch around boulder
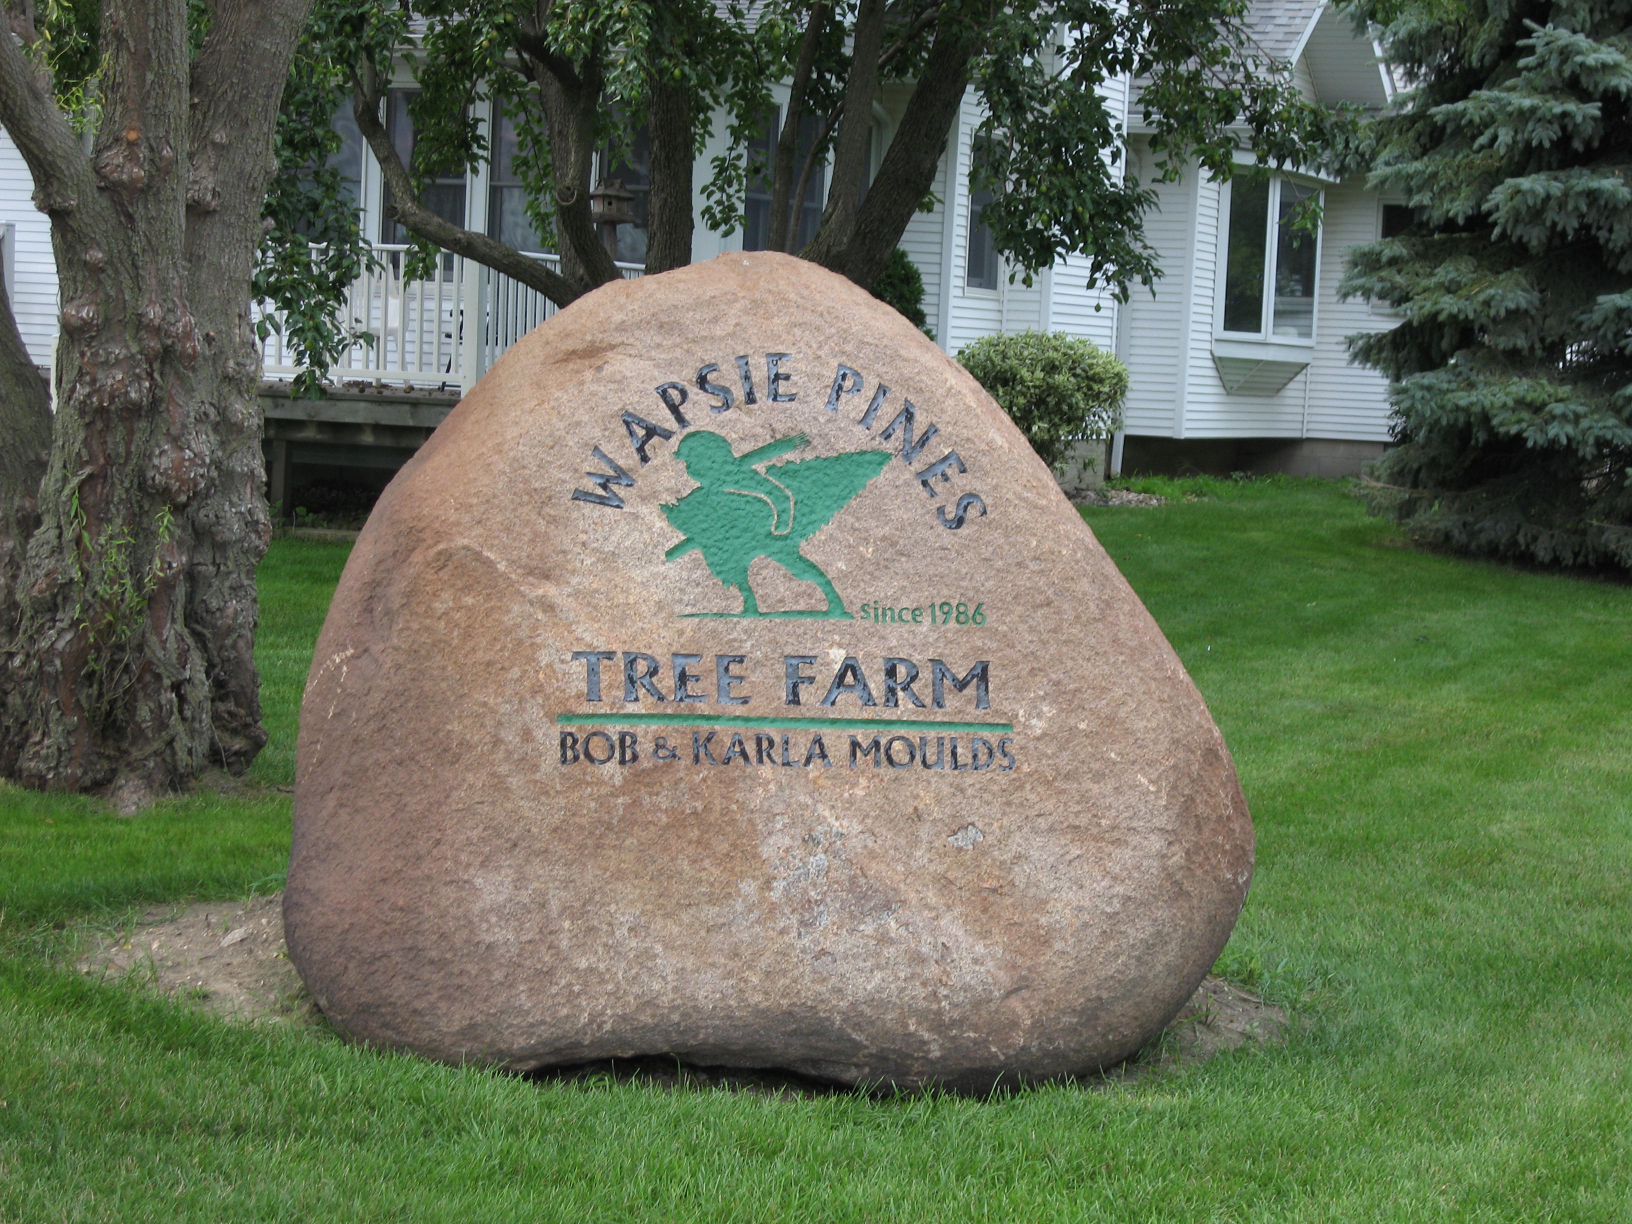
1220	1016
222	957
228	958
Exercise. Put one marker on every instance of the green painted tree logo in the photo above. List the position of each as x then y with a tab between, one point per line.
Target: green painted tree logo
739	513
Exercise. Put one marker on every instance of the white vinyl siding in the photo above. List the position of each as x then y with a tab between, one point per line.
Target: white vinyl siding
1304	82
1071	302
1346	401
1058	299
1156	327
1210	411
1175	390
972	312
31	275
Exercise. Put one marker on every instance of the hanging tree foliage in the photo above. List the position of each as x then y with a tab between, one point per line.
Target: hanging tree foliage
578	78
1511	367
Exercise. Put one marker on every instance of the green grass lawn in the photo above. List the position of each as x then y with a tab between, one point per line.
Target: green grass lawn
1436	755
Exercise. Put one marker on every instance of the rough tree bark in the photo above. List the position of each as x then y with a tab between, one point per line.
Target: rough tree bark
669	205
25	444
131	663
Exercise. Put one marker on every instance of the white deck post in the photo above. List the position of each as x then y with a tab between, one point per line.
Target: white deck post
473	305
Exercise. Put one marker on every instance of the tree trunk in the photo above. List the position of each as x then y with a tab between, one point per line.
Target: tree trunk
25	444
571	100
787	141
669	207
859	244
233	116
132	663
850	150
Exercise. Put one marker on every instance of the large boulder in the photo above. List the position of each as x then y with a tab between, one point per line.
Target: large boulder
728	679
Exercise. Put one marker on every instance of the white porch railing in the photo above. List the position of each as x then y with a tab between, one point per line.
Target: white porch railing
443	331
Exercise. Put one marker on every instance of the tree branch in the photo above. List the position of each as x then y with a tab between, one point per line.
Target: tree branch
29	113
812	158
407	207
531	42
20	18
919	24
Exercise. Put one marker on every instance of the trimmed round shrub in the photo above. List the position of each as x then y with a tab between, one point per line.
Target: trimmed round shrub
902	286
1059	389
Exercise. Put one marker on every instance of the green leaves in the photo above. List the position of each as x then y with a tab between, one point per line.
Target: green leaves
313	249
1059	389
902	286
1557	206
66	43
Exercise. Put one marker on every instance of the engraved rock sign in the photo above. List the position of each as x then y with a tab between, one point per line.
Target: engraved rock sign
728	679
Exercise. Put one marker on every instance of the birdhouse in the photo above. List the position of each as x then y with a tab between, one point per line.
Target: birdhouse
609	207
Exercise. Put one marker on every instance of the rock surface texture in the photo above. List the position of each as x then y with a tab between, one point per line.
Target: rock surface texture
727	679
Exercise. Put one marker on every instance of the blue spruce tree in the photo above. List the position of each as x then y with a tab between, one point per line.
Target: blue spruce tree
1511	367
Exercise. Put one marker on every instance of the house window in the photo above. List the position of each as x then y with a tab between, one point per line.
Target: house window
507	219
346	161
633	168
348	158
1270	267
444	196
806	214
981	263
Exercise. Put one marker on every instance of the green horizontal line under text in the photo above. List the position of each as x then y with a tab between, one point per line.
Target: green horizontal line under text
822	724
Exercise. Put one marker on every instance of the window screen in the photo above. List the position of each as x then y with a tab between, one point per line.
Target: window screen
981	265
1295	259
507	220
443	196
761	152
1244	273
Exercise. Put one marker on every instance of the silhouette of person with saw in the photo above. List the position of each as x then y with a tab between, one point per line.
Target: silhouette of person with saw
739	513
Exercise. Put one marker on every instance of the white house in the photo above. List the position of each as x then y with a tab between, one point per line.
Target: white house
1237	361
